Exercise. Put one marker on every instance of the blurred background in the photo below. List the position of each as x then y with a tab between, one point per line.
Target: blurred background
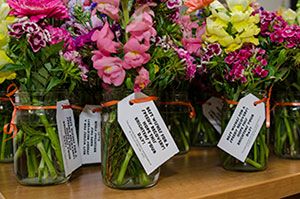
275	4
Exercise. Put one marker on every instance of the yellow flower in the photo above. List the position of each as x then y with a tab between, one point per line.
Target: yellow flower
232	27
7	76
288	15
5	20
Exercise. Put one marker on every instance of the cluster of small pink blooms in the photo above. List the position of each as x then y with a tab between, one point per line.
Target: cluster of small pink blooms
246	61
38	10
164	42
275	27
189	60
112	68
38	37
75	57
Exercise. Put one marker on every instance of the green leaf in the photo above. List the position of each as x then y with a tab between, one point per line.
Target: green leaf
13	67
53	83
129	83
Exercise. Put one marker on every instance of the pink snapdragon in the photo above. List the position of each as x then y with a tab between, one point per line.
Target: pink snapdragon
37	10
142	80
135	54
110	70
108	7
192	45
104	39
142	25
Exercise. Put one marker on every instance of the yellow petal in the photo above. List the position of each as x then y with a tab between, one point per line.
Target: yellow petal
238	5
7	76
4	59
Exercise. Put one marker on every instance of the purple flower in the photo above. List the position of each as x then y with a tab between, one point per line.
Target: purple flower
215	48
171	4
30	27
16	30
36	41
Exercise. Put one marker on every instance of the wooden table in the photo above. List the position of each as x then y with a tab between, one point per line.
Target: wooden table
195	175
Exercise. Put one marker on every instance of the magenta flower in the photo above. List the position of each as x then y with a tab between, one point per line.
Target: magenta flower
110	70
58	35
37	41
171	4
38	9
16	30
135	54
108	7
104	39
142	80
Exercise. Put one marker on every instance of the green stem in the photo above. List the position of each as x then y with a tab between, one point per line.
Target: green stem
126	16
48	162
289	131
3	146
144	178
30	167
253	163
54	141
124	166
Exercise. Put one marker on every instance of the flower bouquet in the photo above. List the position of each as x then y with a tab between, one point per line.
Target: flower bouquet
37	43
286	111
239	55
124	46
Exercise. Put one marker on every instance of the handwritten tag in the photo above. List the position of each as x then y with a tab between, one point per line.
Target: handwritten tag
146	132
90	135
212	110
243	128
67	137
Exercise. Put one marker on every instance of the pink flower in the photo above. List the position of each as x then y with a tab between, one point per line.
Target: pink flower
192	45
58	35
135	54
171	4
108	7
37	10
142	25
104	39
110	70
142	80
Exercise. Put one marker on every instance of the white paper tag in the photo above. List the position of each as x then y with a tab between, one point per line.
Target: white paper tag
90	135
243	128
67	137
212	110
146	132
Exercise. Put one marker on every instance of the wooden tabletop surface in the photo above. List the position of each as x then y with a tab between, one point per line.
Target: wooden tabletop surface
195	175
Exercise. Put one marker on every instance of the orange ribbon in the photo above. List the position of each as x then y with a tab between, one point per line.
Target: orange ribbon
133	101
180	103
291	104
11	128
266	100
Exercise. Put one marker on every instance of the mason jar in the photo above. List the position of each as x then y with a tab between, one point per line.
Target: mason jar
38	156
120	166
175	112
257	158
287	125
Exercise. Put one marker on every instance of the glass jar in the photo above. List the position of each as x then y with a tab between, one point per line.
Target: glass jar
176	117
203	134
38	157
257	158
287	125
6	144
120	167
